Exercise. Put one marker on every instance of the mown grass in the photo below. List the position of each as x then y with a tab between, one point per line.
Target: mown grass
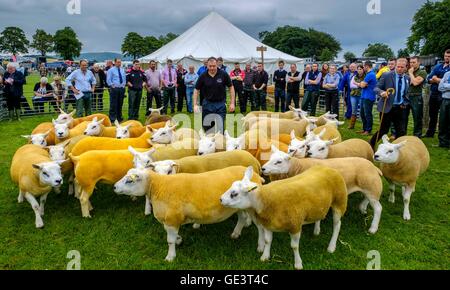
119	236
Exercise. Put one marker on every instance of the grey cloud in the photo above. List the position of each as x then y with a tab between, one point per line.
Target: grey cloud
103	23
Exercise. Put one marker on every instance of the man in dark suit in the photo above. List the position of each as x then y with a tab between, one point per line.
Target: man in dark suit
100	77
396	103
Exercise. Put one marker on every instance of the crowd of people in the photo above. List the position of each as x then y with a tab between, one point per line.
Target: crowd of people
397	86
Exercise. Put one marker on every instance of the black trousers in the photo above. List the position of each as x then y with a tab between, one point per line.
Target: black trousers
396	116
116	103
242	98
434	107
169	95
156	94
249	95
331	102
181	94
292	96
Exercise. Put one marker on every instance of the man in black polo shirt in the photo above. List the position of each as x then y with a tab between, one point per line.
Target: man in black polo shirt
279	78
212	85
260	80
136	79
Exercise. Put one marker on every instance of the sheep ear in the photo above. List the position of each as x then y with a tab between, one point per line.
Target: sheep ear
116	123
150	110
101	121
65	143
330	142
201	133
248	173
159	109
400	145
46	133
37	166
94	120
385	139
273	148
54	122
227	136
73	113
150	152
167	124
26	136
292	135
61	111
339	123
173	127
291	108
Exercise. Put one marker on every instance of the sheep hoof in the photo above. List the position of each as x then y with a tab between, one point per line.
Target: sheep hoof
362	209
298	266
392	198
148	212
196	226
87	216
179	240
39	224
260	248
265	257
331	249
133	198
20	199
406	216
235	235
170	258
373	230
316	232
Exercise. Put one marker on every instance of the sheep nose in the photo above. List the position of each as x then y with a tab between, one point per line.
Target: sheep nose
376	157
85	133
263	169
114	188
200	153
220	200
58	181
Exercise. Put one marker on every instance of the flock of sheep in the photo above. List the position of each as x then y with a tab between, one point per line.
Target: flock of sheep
189	177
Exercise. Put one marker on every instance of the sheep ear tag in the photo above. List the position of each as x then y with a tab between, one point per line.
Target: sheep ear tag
250	188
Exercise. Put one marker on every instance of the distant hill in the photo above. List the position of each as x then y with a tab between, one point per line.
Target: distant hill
101	56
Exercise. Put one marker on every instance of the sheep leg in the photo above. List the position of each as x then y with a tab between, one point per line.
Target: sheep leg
84	202
260	228
77	189
268	243
35	206
71	184
406	198
20	197
148	206
392	193
363	205
172	236
242	219
195	226
317	228
377	208
43	200
295	241
336	229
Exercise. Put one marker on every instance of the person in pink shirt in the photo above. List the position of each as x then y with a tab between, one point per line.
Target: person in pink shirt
237	78
169	85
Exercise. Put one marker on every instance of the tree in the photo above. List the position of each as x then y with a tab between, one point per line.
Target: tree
349	56
378	50
151	44
133	45
326	55
42	42
302	42
402	52
67	43
167	38
13	40
429	31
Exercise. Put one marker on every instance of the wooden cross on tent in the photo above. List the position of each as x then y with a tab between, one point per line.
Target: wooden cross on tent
262	49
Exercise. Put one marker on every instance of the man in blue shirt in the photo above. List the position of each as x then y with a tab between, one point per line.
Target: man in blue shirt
116	79
394	104
434	78
368	98
82	82
444	115
312	86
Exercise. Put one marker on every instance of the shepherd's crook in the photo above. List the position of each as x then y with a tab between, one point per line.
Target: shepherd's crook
388	92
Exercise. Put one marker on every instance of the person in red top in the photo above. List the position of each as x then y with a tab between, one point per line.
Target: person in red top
237	77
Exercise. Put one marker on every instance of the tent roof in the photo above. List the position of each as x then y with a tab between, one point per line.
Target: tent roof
216	36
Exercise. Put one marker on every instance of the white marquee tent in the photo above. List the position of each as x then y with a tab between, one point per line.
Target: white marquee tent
216	36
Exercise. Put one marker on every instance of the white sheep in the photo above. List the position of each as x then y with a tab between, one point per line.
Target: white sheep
402	162
36	175
168	134
286	205
234	143
349	148
38	139
360	175
181	198
208	144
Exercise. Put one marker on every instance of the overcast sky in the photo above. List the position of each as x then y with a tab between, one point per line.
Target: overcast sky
102	24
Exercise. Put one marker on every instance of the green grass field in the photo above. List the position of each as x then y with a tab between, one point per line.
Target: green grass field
119	236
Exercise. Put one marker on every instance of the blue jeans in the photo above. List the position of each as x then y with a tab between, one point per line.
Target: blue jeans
349	102
280	100
354	101
216	119
366	114
189	93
